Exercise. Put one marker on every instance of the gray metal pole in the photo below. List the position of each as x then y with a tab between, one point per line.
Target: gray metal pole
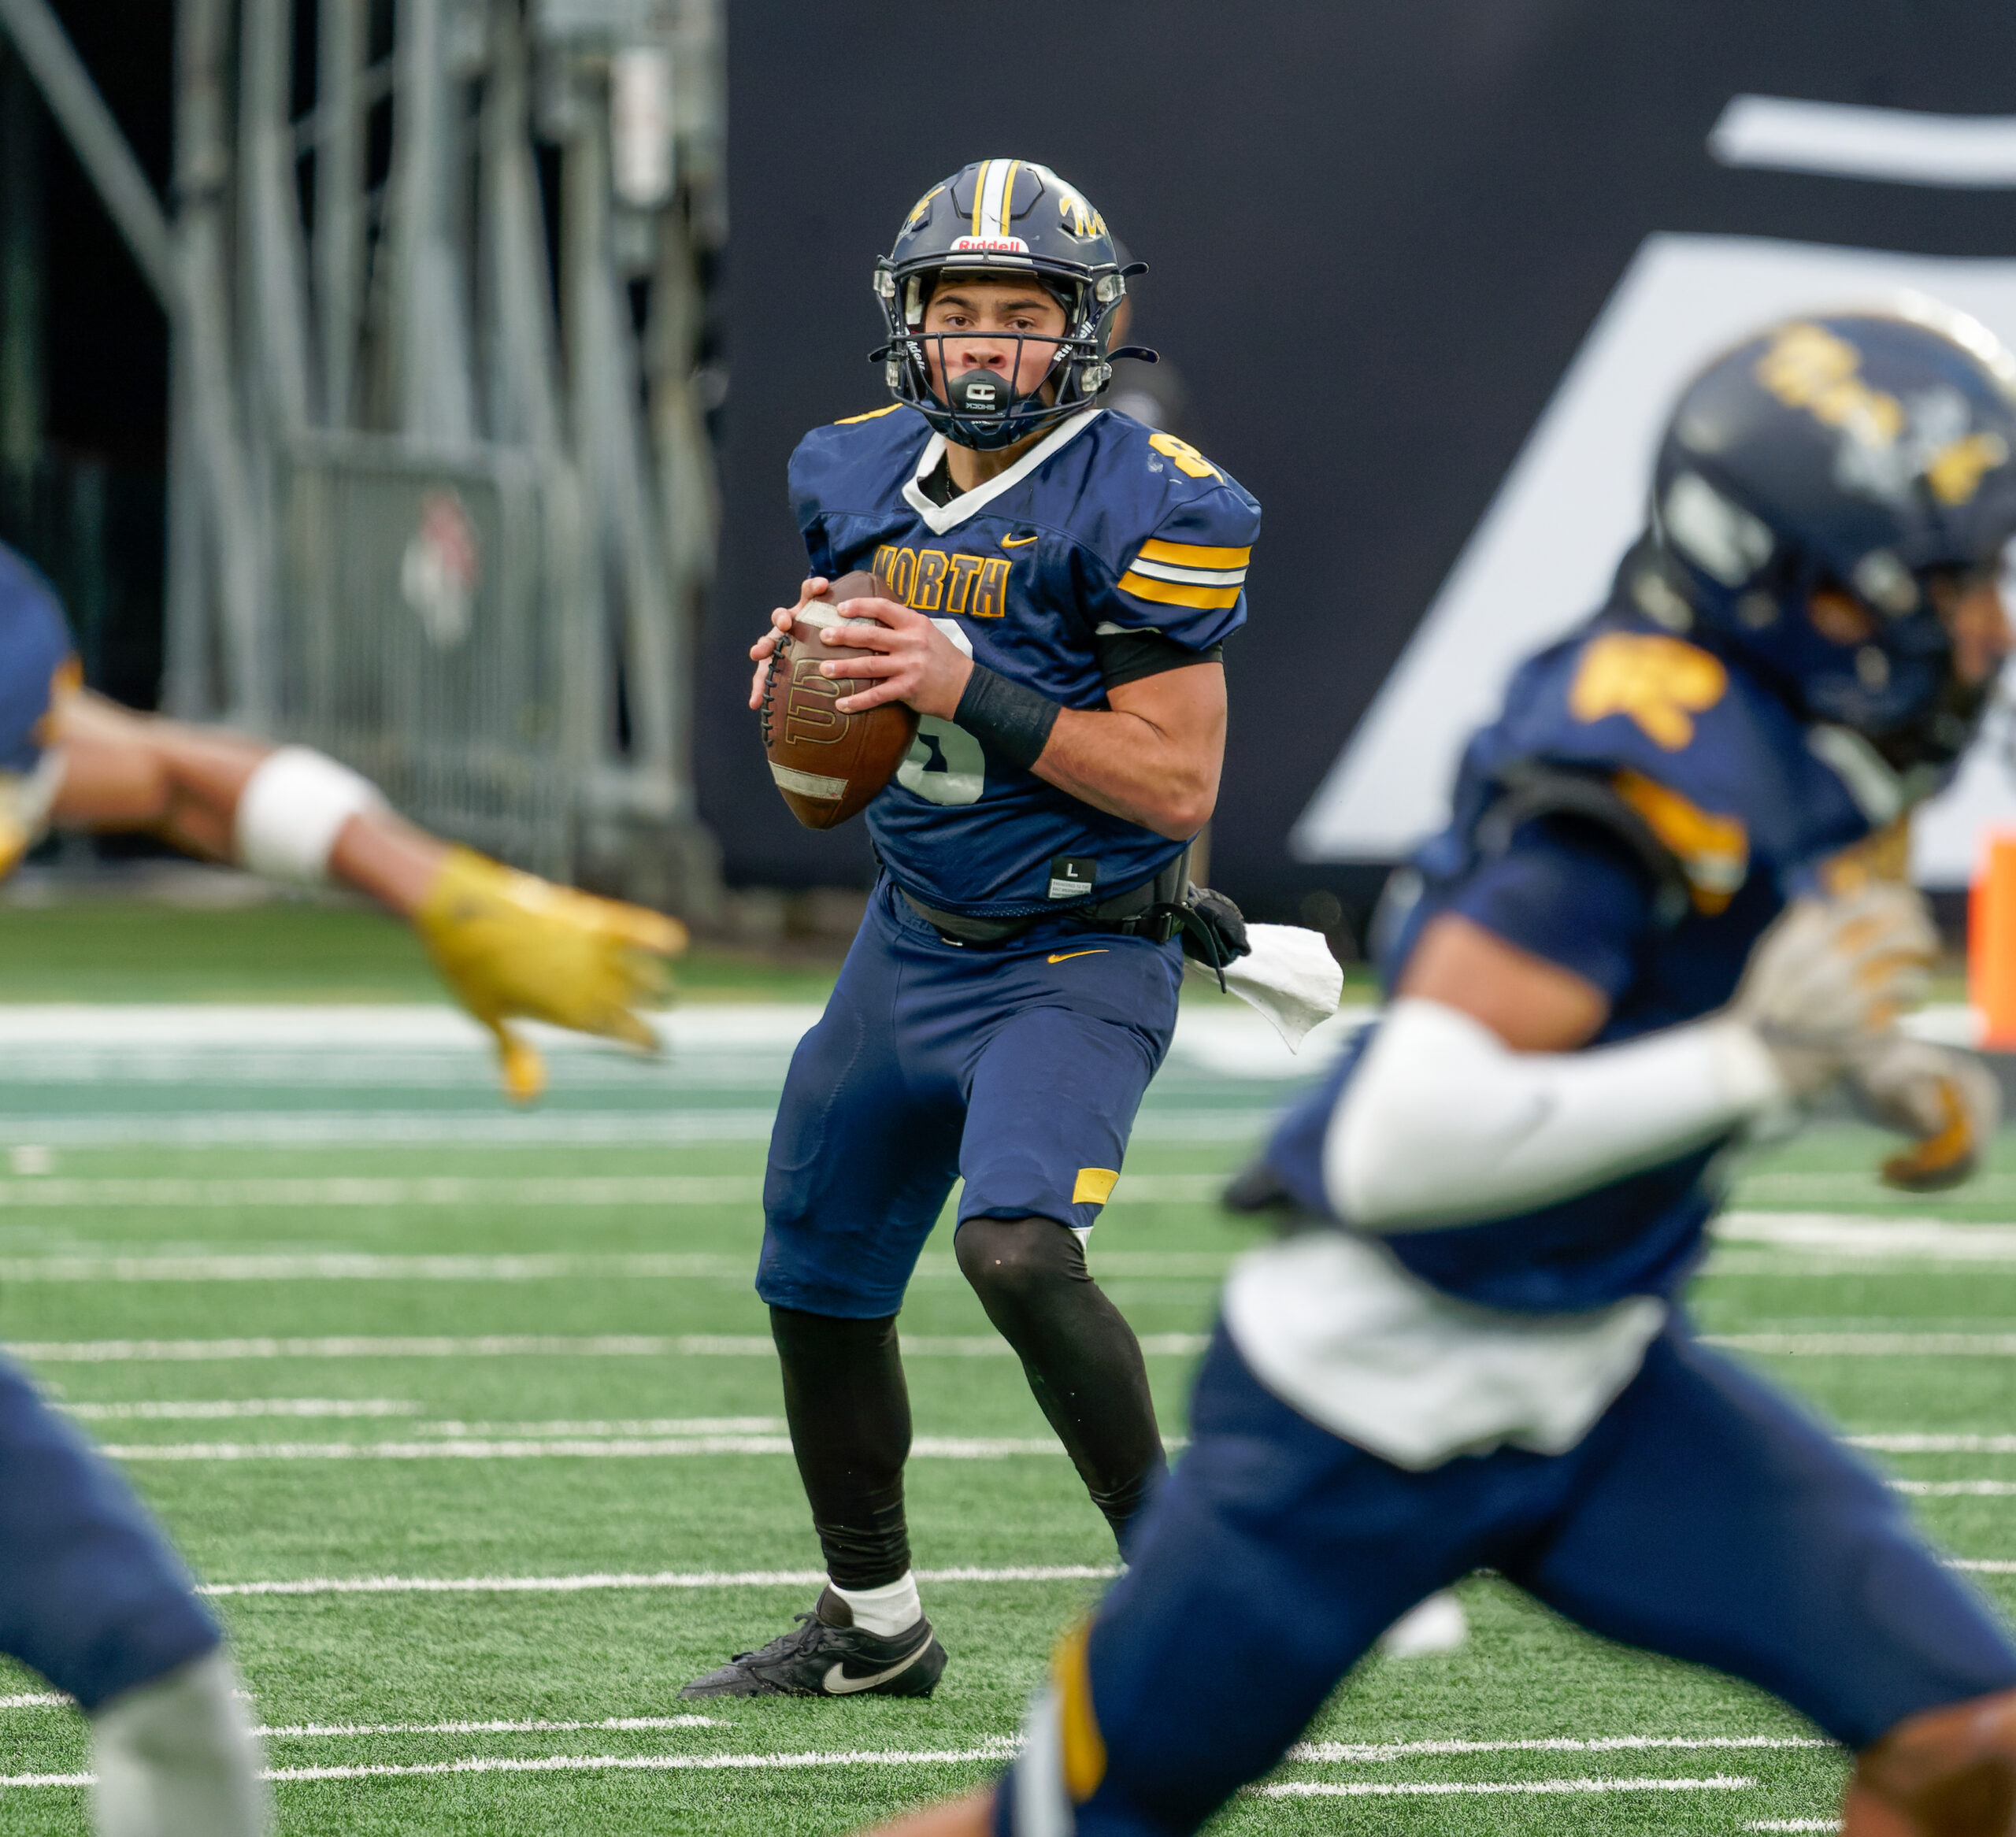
339	201
208	430
603	375
270	254
430	337
94	136
520	345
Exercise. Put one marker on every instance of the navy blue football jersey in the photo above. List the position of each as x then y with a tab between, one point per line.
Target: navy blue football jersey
37	666
1747	803
1105	526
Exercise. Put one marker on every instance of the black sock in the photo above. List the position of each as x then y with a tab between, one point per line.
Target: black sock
849	1417
1081	1357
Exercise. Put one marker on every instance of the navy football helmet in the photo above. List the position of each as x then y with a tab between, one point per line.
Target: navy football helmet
1871	452
1003	220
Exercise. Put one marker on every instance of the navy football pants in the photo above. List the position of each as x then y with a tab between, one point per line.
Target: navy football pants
1704	1517
90	1594
1018	1068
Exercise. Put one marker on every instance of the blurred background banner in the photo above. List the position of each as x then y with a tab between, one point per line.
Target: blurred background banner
367	367
1427	276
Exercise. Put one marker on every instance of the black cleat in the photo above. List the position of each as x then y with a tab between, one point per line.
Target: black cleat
828	1656
1256	1187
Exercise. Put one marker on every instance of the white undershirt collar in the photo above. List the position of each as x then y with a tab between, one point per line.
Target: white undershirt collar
941	517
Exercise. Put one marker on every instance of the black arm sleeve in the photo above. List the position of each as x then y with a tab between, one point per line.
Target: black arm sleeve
1127	656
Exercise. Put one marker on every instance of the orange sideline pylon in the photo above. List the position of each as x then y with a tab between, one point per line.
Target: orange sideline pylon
1991	941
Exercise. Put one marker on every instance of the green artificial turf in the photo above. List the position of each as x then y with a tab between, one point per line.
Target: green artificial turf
364	1660
289	951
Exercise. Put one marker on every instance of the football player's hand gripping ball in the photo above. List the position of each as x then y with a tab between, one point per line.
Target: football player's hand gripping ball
511	945
1948	1102
1826	983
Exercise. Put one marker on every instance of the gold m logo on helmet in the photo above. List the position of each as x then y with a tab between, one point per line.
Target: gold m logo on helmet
1955	470
1808	367
1079	217
921	208
1660	682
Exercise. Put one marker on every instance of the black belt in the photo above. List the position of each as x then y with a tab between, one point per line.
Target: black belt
1149	910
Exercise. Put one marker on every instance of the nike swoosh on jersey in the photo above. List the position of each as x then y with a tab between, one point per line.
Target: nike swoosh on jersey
1065	957
1017	542
839	1684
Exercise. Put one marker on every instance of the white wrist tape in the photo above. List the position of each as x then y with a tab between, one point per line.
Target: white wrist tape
291	810
1443	1124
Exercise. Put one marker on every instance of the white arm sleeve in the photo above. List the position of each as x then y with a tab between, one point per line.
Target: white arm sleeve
1443	1124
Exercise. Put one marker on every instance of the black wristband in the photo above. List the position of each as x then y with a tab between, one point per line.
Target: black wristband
1011	721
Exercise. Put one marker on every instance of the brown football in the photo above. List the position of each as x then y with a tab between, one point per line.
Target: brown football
827	765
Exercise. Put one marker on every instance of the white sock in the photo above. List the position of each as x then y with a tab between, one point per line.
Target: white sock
177	1758
886	1611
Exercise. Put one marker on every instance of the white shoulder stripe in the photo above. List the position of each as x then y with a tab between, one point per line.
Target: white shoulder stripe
1190	576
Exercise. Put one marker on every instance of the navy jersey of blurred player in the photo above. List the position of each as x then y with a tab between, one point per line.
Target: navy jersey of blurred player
1104	531
91	1596
1659	916
1061	580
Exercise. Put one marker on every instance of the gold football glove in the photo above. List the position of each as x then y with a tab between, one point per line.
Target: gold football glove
510	944
1948	1102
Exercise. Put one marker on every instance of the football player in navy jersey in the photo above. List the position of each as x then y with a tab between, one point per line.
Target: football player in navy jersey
91	1596
1062	580
1660	916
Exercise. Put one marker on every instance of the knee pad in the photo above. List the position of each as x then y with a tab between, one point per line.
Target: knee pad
1014	1259
1950	1773
177	1757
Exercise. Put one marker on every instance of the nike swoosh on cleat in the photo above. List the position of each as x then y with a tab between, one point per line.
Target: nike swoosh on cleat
839	1684
1065	957
1017	542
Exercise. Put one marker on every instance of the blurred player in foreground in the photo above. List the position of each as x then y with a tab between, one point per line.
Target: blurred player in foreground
1637	941
90	1594
1067	579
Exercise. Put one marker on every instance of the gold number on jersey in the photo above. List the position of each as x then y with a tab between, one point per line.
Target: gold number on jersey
1188	460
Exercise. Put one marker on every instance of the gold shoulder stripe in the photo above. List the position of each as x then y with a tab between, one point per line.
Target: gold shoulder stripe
1194	554
874	414
1170	593
1714	851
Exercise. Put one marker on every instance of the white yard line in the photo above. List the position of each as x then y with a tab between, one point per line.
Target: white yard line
664	1579
527	1266
1795	1824
1956	1489
510	1346
1484	1788
665	1126
53	1192
1934	1444
211	1195
349	1266
610	1448
231	1409
1869	1345
1854	1235
351	1730
1357	1753
996	1750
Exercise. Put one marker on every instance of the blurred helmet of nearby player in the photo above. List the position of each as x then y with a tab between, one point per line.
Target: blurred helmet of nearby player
1870	453
1000	220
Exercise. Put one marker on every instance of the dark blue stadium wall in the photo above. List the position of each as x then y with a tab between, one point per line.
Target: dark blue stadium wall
1377	234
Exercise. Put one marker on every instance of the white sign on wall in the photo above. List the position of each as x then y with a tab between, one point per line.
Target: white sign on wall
1542	558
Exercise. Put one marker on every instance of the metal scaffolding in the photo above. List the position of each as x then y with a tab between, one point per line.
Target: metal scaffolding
441	498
